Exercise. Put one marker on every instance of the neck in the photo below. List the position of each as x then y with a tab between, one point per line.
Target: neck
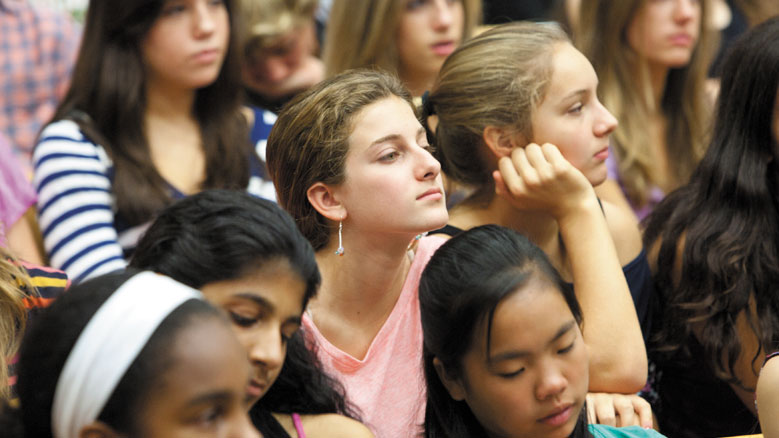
164	102
540	228
364	284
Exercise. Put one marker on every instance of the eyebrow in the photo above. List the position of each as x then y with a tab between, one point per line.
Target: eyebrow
567	327
266	304
393	137
577	93
211	397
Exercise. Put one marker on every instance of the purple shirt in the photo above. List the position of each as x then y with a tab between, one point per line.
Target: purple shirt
16	192
656	194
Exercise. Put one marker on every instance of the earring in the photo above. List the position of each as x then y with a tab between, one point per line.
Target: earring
340	250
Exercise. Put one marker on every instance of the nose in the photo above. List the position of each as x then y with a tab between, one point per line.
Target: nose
204	21
428	167
268	350
551	382
684	10
276	69
442	14
606	122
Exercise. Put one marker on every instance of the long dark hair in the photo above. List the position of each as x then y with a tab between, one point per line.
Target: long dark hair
107	98
726	219
457	291
219	235
52	336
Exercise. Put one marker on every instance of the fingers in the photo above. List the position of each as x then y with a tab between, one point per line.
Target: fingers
644	411
625	414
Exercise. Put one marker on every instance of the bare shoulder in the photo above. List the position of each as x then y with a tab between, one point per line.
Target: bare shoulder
623	227
327	426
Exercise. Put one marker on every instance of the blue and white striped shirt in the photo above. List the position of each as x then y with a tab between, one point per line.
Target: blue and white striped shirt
83	233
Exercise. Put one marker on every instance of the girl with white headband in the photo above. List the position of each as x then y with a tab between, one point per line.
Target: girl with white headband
135	355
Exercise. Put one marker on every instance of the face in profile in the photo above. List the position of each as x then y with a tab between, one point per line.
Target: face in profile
393	184
571	117
187	44
203	391
665	32
528	377
264	305
429	30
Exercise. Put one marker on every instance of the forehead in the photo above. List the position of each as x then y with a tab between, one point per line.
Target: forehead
205	357
274	283
528	318
571	71
391	115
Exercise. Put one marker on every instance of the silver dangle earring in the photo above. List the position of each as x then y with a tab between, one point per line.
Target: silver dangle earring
340	250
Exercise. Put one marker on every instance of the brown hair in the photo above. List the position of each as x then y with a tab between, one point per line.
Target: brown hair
310	140
625	91
269	19
107	98
495	79
13	314
361	33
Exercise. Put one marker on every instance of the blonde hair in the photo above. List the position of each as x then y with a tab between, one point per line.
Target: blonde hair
266	20
361	33
626	91
13	314
495	79
310	140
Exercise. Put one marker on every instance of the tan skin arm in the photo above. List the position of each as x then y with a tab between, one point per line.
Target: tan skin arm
768	399
548	182
23	241
326	426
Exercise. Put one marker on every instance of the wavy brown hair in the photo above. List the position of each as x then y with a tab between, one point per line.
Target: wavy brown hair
726	220
107	98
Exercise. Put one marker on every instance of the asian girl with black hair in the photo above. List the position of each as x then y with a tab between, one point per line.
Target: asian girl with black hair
503	349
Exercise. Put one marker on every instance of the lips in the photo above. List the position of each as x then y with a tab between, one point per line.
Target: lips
681	39
256	388
602	154
443	48
207	56
558	416
432	194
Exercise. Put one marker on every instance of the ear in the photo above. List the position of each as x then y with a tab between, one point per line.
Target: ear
453	385
97	429
322	197
500	141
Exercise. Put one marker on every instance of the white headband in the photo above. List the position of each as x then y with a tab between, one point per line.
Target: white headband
109	344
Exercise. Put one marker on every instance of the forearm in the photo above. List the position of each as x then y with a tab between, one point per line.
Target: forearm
611	329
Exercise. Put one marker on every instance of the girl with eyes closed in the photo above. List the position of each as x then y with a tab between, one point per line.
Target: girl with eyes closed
249	260
503	351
